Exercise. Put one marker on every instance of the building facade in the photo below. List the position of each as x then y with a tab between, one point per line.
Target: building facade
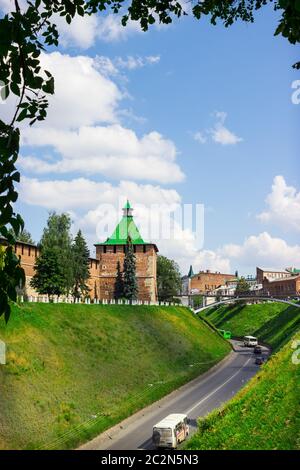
271	274
285	287
103	268
204	282
112	251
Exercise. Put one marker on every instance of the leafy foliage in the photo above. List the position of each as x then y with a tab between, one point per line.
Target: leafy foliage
49	277
57	237
242	287
54	267
81	271
168	278
24	236
130	287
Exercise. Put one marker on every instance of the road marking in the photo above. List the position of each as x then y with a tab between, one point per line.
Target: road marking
217	389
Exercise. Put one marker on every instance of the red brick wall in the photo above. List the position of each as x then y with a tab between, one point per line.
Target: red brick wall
109	256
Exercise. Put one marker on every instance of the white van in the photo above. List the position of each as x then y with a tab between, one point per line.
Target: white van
170	431
250	341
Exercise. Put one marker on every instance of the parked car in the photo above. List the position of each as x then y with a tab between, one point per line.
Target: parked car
259	361
257	350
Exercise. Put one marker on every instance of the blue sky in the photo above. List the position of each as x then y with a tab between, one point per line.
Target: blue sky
231	88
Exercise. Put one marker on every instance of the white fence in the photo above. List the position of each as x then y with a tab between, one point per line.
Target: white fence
88	301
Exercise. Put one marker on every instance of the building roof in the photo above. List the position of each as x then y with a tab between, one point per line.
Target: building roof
293	270
284	279
126	231
191	272
271	270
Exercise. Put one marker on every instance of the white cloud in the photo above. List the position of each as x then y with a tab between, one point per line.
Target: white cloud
200	137
110	28
83	194
82	96
85	97
112	151
262	250
82	32
218	133
134	62
283	205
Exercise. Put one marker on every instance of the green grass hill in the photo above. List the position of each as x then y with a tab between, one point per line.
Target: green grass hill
265	414
273	323
75	370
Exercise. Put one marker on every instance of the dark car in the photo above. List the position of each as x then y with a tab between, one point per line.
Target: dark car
257	350
259	361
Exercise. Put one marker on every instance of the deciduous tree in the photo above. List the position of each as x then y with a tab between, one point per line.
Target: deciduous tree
168	278
49	276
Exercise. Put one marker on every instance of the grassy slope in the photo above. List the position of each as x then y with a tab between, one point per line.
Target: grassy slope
264	415
74	370
273	323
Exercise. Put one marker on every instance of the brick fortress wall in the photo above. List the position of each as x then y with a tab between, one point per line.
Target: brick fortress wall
109	255
103	269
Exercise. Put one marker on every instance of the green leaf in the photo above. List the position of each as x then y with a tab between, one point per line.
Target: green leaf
22	115
15	88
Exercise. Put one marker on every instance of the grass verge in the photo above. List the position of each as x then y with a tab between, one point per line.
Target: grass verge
75	370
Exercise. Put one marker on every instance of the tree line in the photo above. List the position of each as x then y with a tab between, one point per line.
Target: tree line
63	266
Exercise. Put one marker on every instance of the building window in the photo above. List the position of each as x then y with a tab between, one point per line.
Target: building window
134	248
144	248
115	249
104	249
22	251
29	251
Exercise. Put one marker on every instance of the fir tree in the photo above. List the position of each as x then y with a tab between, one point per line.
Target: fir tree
81	271
119	284
130	290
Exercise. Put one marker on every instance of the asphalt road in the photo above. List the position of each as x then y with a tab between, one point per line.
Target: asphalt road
195	399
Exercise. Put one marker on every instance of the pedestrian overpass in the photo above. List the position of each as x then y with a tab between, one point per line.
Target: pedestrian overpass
228	300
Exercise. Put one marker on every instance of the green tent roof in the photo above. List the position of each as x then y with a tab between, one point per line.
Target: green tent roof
125	230
191	272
